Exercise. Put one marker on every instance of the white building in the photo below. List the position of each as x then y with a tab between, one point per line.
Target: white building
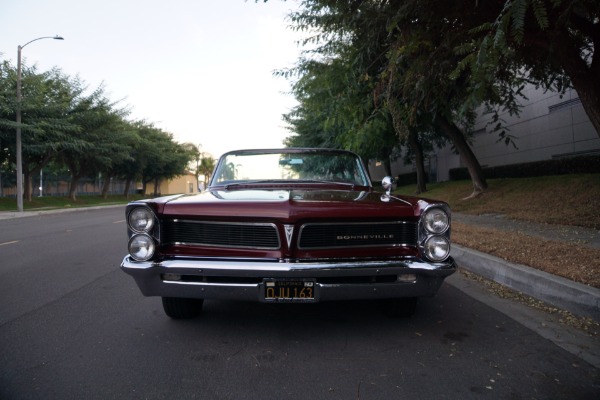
549	126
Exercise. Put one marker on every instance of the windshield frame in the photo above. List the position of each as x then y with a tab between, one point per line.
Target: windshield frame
291	161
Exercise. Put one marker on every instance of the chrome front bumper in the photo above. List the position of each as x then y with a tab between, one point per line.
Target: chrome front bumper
246	279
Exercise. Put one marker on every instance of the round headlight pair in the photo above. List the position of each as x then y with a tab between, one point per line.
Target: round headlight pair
141	247
436	221
141	219
437	248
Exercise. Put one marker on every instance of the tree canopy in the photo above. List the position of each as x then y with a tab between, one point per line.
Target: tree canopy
413	73
72	128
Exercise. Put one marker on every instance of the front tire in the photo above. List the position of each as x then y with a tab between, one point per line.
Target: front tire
181	308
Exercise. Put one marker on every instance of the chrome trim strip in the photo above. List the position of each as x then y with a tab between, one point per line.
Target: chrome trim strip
229	246
148	276
229	266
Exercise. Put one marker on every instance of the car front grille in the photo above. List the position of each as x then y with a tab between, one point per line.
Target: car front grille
325	235
222	234
265	236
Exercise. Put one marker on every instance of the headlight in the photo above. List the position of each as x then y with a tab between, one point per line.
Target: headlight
435	221
437	248
141	247
141	219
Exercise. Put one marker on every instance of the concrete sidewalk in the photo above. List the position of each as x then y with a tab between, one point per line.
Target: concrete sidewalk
577	235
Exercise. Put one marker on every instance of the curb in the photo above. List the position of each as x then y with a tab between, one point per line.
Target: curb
581	300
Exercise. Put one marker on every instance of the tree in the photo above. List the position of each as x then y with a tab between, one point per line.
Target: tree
206	168
416	81
131	170
47	99
403	52
196	157
117	144
160	157
336	109
97	142
83	133
550	43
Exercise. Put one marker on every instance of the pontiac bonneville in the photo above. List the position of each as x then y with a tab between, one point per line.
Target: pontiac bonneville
289	225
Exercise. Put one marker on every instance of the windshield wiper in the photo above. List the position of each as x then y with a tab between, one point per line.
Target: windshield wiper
286	182
325	182
254	182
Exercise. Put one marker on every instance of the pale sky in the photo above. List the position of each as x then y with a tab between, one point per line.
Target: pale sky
199	69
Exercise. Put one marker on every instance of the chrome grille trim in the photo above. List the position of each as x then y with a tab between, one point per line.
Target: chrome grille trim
314	236
249	235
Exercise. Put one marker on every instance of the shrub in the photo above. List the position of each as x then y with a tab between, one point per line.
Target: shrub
558	166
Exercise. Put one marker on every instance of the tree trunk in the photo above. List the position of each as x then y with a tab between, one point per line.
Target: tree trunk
127	187
413	142
591	104
156	188
73	187
415	145
28	173
387	165
467	156
585	79
27	185
106	186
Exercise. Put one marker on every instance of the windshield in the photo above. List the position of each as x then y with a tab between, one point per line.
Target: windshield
298	166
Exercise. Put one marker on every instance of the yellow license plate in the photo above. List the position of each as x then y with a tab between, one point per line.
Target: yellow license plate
289	290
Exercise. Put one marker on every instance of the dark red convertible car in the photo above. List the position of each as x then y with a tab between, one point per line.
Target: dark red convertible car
289	225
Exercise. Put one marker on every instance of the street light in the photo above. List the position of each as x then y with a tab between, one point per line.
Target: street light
19	158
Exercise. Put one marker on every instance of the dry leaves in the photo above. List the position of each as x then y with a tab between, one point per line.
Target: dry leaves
577	263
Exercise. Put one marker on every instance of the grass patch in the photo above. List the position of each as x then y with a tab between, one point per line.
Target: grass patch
56	202
561	199
569	200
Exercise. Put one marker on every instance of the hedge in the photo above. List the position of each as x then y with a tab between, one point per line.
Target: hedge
559	166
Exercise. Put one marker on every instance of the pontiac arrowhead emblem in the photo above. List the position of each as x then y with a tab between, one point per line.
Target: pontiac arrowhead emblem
289	231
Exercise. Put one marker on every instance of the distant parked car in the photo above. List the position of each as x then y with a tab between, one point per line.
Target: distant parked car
289	225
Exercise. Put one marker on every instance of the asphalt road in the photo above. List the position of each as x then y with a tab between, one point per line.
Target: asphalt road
73	326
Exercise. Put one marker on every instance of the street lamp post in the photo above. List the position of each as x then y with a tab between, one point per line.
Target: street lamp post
19	154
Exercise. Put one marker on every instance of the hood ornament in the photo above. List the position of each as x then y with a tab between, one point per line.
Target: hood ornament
388	184
289	232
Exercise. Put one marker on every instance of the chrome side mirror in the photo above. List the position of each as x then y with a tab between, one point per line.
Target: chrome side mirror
387	183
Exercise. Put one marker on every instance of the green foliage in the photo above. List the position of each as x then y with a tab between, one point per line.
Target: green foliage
419	68
206	168
82	132
549	43
379	75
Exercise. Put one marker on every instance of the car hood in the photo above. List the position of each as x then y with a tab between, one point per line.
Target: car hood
290	204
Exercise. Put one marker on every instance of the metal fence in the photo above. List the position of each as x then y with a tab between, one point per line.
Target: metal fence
59	186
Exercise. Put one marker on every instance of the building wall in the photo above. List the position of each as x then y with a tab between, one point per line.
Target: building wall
182	184
549	126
